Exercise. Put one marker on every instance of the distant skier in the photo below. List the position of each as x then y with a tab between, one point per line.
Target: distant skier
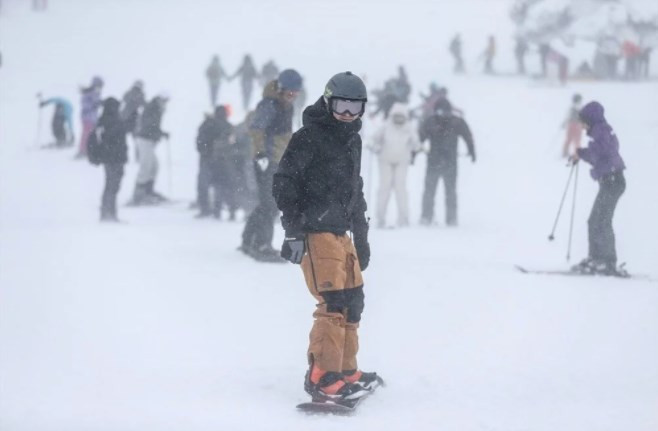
520	51
248	74
319	189
149	133
133	102
90	102
215	74
608	167
270	130
443	130
213	142
394	145
489	54
109	136
62	122
573	127
456	51
246	187
269	73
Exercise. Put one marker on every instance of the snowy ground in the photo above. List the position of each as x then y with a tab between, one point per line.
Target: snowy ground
159	324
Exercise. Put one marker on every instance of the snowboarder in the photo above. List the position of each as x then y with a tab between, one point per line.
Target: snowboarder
456	51
269	73
62	123
133	102
110	136
319	189
394	144
147	137
247	73
573	127
608	167
489	54
443	129
270	130
215	169
215	74
90	102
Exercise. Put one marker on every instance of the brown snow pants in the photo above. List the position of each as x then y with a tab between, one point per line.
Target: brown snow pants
333	276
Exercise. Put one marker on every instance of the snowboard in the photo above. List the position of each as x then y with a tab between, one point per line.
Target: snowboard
331	408
570	273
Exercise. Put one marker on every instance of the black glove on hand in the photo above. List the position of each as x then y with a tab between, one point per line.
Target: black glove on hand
293	248
362	247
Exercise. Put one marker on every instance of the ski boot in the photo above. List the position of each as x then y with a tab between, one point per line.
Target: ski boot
368	381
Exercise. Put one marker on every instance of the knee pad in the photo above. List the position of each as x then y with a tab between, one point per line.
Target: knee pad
335	300
355	299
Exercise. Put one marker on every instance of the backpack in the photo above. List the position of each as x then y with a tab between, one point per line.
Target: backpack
95	147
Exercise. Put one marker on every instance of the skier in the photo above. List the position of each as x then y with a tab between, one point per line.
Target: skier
90	102
520	51
443	129
133	101
247	73
245	181
62	123
215	170
148	134
573	126
608	167
319	189
394	143
269	73
270	130
215	74
488	55
456	51
110	135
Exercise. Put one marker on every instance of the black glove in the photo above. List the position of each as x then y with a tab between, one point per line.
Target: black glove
293	248
362	247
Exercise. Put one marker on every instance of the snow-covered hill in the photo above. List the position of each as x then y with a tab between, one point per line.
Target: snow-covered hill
160	324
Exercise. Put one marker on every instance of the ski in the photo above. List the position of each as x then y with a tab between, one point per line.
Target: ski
569	273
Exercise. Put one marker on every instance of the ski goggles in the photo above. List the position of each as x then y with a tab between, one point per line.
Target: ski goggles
349	107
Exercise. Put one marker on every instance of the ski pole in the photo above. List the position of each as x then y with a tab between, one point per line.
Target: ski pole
551	237
573	211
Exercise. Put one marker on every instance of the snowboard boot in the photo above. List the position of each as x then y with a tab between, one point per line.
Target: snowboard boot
330	386
368	381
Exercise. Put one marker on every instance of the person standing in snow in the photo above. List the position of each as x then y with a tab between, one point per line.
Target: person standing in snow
456	52
133	101
489	54
248	74
443	130
90	102
110	136
149	133
574	127
215	74
602	153
62	123
269	73
520	51
270	131
319	189
394	144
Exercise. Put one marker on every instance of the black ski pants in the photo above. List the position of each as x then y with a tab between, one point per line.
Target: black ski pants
217	174
446	169
601	235
259	229
113	176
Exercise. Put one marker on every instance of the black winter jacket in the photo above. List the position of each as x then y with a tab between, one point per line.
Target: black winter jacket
150	122
111	131
443	133
318	185
213	139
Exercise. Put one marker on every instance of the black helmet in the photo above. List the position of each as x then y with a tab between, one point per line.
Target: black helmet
346	85
290	80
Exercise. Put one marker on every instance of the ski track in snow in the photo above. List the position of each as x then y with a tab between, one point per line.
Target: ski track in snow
160	324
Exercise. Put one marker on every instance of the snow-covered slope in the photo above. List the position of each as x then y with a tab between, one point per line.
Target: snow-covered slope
159	324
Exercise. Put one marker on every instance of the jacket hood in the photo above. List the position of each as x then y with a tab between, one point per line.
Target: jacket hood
111	106
318	115
592	113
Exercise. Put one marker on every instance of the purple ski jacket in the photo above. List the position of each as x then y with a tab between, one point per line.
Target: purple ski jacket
602	152
90	102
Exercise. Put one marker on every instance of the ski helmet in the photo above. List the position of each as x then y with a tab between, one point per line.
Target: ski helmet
97	81
346	85
290	80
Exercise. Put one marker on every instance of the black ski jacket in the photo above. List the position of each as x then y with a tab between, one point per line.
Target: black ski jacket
318	185
112	131
150	122
443	133
213	139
